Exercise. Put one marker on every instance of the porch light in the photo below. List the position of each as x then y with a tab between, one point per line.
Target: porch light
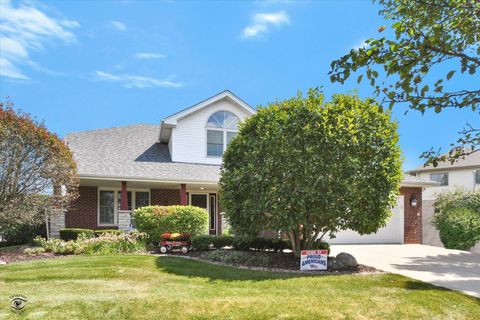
201	188
413	202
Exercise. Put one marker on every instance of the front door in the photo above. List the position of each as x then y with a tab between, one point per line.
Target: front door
207	202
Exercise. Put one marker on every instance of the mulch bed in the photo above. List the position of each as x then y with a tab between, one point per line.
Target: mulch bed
16	254
278	262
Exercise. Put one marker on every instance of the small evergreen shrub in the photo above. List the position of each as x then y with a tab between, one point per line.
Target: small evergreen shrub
157	220
68	234
203	242
206	242
458	218
20	233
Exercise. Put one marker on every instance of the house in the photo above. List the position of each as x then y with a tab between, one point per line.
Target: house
465	174
178	162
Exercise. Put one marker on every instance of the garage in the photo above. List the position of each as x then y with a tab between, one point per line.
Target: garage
405	224
393	232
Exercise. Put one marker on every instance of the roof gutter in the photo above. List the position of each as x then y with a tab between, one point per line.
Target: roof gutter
121	178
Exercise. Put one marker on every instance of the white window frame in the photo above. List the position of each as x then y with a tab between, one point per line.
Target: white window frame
224	130
115	203
475	177
224	140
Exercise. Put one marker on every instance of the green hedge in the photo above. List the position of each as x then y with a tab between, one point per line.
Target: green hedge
18	233
458	218
206	242
156	220
68	234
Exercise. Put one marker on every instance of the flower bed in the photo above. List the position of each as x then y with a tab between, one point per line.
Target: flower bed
104	244
269	261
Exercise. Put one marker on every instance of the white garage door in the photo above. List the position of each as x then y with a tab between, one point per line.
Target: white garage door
391	233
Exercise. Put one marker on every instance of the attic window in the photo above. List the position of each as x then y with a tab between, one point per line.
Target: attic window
222	126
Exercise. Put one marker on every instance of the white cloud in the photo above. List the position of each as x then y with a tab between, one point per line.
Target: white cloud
118	25
25	28
149	55
135	81
263	21
8	70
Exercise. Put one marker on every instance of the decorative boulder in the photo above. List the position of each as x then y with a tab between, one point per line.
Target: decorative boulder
346	259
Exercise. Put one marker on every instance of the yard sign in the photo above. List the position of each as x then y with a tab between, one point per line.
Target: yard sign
313	260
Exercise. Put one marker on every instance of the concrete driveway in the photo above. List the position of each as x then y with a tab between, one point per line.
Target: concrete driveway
453	269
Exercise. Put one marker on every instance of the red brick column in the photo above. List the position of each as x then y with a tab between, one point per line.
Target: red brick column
412	215
183	194
124	204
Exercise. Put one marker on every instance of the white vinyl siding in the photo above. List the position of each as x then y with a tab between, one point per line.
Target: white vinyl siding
189	137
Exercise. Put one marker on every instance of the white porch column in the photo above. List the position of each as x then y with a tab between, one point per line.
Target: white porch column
124	220
57	222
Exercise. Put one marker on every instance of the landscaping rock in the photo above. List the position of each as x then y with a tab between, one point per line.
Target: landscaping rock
346	260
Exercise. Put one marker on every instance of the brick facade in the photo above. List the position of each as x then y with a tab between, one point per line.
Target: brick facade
164	197
83	212
412	216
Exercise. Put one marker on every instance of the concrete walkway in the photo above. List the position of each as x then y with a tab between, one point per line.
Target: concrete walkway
453	269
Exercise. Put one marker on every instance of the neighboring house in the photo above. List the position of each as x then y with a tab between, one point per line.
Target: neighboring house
465	174
178	162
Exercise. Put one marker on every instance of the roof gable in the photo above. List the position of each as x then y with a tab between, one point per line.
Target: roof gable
227	94
170	122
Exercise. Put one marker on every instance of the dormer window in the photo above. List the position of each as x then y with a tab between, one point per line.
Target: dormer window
222	127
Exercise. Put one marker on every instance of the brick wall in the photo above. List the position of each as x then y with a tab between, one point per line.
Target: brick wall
164	197
412	216
83	211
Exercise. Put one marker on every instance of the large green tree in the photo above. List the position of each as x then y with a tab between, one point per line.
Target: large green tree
37	170
432	42
310	168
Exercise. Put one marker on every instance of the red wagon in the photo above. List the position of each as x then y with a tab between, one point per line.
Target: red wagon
168	244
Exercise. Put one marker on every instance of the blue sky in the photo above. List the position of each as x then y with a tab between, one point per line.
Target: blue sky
82	65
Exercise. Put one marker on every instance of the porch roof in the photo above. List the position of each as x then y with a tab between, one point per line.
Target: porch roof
132	153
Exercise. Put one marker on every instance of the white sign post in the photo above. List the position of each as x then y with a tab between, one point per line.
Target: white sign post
312	260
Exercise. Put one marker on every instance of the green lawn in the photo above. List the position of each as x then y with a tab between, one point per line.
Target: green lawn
150	287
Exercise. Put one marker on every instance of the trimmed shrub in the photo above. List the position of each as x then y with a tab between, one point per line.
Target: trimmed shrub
458	218
68	234
99	233
321	245
222	241
202	242
18	233
206	242
156	220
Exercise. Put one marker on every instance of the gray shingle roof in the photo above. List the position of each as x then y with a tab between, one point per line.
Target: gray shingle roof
132	152
409	180
472	160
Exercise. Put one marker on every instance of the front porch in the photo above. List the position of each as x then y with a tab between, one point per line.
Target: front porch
108	204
